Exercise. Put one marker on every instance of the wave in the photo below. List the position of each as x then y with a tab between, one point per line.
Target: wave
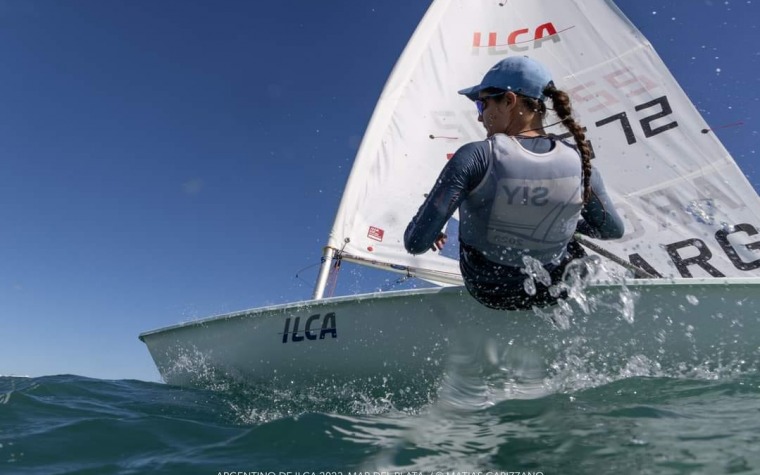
658	424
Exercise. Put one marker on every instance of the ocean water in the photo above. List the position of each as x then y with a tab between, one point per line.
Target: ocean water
637	421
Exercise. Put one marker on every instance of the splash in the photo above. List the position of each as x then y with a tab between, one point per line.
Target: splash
559	316
578	275
583	272
627	304
195	366
256	404
536	273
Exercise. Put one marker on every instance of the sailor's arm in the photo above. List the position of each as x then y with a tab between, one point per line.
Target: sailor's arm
600	219
460	175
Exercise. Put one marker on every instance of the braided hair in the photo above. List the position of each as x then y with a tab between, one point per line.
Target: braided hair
563	108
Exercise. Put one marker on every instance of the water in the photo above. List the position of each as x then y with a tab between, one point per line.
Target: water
637	421
492	409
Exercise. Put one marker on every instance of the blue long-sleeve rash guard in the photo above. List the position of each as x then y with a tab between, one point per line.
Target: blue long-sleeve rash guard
468	167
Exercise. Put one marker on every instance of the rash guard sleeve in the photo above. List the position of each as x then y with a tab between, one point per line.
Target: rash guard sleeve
463	172
599	219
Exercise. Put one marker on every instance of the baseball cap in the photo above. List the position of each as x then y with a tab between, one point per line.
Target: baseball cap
519	74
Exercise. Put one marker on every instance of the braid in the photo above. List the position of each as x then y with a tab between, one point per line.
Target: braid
564	110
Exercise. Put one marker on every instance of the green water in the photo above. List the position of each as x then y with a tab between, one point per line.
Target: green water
700	422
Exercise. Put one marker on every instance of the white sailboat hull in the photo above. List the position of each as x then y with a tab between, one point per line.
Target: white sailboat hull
407	336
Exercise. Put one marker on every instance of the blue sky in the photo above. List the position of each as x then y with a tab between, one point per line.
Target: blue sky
167	160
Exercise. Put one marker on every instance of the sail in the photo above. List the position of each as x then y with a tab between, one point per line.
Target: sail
689	210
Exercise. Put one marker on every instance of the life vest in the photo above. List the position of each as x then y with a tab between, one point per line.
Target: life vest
527	204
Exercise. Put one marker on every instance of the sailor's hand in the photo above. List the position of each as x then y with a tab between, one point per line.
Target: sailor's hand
439	242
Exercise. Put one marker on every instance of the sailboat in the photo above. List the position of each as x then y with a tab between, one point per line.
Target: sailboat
692	221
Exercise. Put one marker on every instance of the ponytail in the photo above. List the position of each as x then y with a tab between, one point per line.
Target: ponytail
563	108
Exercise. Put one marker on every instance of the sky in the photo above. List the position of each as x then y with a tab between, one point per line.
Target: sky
167	160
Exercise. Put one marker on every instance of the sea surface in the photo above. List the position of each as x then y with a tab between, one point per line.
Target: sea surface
633	422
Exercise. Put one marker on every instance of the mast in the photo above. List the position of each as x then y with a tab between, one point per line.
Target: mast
324	272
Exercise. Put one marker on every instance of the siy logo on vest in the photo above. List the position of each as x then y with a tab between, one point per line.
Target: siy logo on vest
326	325
524	195
520	40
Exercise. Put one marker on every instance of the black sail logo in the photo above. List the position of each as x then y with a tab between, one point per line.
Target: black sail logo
315	327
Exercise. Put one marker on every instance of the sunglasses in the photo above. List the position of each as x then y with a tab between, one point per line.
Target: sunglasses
480	103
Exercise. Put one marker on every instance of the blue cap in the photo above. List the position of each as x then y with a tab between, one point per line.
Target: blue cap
518	74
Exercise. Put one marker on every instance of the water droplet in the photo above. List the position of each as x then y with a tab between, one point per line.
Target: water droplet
626	298
530	286
702	210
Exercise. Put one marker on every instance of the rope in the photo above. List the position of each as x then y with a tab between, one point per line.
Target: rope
332	280
638	272
298	276
398	281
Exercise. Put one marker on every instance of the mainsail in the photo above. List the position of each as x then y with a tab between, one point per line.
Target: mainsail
689	210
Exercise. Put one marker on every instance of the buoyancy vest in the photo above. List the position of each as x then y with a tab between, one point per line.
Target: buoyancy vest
527	203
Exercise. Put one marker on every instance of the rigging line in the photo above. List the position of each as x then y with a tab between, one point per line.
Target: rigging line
298	276
333	277
306	268
398	281
637	271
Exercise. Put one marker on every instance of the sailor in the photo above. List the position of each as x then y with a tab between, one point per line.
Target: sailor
521	193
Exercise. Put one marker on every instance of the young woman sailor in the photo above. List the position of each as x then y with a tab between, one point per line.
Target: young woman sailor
521	193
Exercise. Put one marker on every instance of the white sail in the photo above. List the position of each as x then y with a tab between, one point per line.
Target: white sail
689	210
